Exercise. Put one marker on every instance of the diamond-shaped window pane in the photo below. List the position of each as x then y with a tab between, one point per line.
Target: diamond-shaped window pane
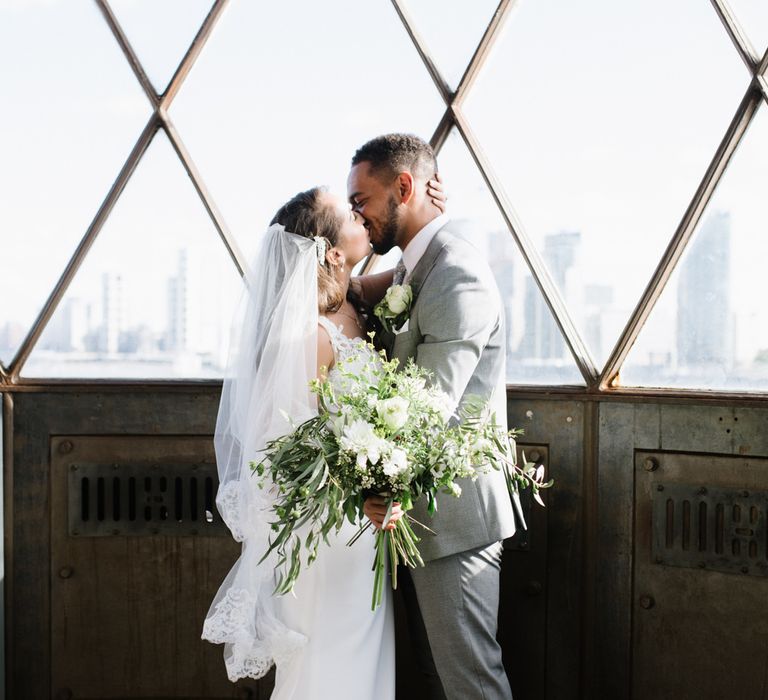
280	99
753	18
451	30
155	295
709	328
536	350
160	32
600	119
73	110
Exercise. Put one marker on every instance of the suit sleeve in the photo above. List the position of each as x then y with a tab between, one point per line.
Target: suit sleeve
458	313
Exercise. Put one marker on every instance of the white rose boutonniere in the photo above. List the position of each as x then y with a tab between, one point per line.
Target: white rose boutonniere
394	308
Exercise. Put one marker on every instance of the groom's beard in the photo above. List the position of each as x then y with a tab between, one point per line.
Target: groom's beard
388	233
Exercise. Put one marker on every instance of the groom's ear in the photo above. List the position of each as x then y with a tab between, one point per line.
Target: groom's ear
405	185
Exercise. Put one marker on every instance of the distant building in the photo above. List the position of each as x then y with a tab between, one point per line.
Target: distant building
704	296
68	329
543	338
112	313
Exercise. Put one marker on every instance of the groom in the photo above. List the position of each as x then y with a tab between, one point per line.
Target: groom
455	330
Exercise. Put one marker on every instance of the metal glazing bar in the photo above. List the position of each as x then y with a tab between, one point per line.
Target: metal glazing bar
130	54
531	256
736	130
405	17
762	83
193	52
210	206
763	67
442	132
483	49
738	35
85	245
8	526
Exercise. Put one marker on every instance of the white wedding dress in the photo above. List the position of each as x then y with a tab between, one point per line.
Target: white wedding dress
350	650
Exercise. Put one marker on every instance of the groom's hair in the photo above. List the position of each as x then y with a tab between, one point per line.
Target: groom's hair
391	154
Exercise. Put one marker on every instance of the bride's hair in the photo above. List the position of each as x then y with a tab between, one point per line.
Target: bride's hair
306	215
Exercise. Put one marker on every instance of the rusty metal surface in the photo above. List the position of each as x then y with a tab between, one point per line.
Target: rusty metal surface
143	499
695	630
133	606
702	527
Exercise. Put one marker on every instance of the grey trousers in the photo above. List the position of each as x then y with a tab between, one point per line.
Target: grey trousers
452	606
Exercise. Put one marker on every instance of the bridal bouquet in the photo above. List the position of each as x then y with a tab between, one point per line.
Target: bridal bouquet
387	433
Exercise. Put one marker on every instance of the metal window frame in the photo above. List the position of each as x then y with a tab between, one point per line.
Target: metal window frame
602	383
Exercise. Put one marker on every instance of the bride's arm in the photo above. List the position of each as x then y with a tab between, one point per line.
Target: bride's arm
324	352
370	289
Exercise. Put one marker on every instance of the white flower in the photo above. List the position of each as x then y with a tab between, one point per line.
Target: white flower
396	463
360	439
397	298
443	404
455	489
393	412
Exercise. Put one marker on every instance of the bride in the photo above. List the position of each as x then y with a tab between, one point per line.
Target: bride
297	320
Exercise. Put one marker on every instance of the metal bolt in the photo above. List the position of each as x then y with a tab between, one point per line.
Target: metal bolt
535	456
155	531
73	467
569	419
702	491
702	565
659	487
75	532
659	560
66	572
533	588
115	532
745	494
744	570
66	447
651	464
647	602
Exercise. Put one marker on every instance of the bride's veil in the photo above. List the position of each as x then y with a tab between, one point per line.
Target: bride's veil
273	357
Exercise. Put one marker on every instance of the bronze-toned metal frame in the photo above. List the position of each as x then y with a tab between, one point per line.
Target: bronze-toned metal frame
600	383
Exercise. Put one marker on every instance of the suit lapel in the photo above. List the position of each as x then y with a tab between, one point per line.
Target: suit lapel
427	261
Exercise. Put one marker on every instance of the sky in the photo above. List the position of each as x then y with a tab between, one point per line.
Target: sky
597	117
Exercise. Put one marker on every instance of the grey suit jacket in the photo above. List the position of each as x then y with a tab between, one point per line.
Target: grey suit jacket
456	330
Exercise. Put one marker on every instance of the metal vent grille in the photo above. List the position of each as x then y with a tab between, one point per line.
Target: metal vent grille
709	528
143	499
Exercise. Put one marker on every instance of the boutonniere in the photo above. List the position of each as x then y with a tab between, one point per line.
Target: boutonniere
393	310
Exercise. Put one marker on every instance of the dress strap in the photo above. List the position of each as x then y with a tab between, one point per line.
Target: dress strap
333	331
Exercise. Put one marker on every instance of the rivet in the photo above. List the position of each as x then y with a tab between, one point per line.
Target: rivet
73	467
66	447
535	456
523	544
651	464
647	602
115	532
75	532
66	572
702	491
659	487
569	419
155	531
702	565
659	560
744	570
745	494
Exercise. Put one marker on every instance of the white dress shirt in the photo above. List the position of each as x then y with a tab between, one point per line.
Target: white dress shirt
419	243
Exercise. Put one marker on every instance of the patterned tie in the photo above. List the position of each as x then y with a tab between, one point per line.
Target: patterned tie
399	272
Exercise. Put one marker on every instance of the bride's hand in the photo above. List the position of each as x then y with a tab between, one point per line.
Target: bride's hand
437	193
375	509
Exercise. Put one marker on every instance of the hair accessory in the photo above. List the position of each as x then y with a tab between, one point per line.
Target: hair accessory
321	245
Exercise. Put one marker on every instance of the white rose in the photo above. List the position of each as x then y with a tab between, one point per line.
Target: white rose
397	299
393	412
396	463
